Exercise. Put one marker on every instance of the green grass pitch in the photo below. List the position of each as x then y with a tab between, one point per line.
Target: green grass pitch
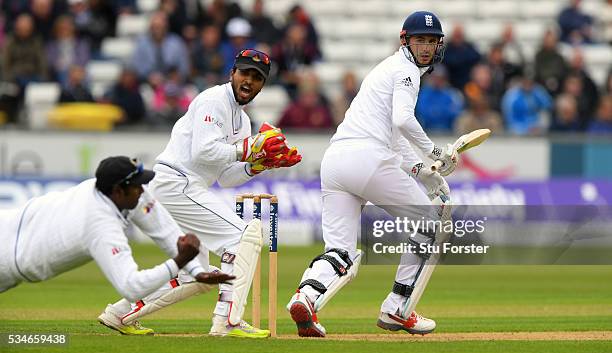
555	300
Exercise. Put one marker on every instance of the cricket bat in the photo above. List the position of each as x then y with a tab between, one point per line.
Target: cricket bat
465	142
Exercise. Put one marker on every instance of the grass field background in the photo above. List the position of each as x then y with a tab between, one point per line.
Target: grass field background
460	298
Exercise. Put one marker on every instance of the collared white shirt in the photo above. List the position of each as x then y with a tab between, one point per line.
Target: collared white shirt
202	141
63	230
383	110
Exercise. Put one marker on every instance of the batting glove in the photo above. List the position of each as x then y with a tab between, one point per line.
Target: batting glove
434	183
448	156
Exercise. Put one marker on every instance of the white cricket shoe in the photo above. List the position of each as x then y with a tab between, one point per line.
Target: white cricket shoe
221	327
112	319
415	324
302	312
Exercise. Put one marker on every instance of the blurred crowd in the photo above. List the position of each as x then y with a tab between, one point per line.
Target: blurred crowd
190	47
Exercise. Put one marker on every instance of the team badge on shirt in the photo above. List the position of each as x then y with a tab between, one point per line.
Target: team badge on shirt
407	82
148	207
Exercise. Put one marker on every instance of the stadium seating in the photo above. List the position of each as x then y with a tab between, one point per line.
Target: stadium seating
40	98
118	48
102	75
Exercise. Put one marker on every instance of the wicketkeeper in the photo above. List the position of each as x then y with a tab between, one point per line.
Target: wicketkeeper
212	143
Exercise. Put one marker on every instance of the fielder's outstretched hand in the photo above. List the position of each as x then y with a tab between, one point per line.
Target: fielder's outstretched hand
214	277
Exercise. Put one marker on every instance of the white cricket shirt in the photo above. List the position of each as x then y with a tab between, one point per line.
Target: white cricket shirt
202	140
383	110
63	230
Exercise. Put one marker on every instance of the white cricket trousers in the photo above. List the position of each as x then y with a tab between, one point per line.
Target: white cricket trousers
199	211
352	173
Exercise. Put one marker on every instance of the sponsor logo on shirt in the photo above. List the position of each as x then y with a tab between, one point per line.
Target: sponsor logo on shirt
115	251
407	82
208	119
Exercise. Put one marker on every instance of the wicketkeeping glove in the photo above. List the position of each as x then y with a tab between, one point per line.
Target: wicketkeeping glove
266	144
287	157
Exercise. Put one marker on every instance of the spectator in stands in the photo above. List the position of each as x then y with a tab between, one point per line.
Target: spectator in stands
602	122
550	66
10	11
438	105
576	26
184	16
480	86
94	20
350	87
45	14
292	55
76	89
298	16
172	108
238	31
310	110
160	98
207	59
460	57
126	94
606	19
575	86
124	7
588	95
66	49
266	32
512	49
479	115
23	58
566	118
158	51
502	72
523	106
221	12
23	61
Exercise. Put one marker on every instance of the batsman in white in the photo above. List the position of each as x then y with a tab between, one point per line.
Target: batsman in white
212	143
60	231
370	158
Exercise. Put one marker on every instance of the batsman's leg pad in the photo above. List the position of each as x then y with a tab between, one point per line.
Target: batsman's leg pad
244	269
443	207
345	269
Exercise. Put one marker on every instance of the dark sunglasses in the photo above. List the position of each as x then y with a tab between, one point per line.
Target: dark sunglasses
139	169
254	55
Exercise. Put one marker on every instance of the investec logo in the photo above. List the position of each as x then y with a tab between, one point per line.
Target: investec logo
428	21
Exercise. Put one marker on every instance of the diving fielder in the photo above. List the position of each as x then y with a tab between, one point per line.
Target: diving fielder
371	159
212	143
59	231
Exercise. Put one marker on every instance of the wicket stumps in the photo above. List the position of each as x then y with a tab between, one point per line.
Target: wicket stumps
272	266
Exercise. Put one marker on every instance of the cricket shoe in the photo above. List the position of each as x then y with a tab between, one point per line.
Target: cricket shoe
112	319
221	327
415	324
305	318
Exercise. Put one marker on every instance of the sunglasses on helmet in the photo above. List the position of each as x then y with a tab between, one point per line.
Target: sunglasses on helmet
254	55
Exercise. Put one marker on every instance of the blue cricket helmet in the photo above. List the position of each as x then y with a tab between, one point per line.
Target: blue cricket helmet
423	23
